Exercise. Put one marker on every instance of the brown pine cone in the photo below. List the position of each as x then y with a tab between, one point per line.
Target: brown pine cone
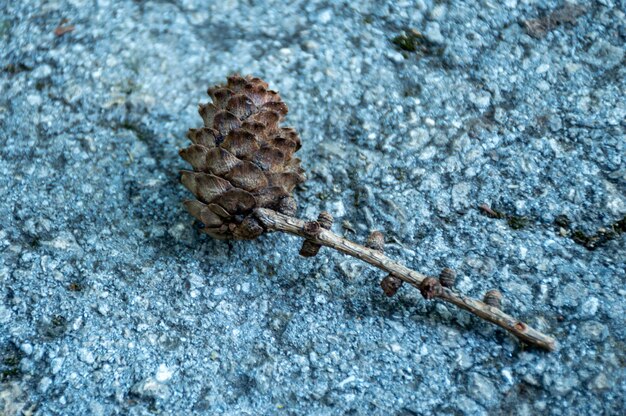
241	159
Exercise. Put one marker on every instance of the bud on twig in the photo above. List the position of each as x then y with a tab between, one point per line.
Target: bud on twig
447	277
390	285
493	298
376	241
309	248
430	288
325	219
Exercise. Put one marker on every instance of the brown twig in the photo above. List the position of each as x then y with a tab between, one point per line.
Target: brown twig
62	29
429	287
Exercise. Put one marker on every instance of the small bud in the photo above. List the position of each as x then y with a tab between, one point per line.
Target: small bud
312	228
325	219
248	229
430	288
309	248
288	206
390	285
493	298
376	241
447	277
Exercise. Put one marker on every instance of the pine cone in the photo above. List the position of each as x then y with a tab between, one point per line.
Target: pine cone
241	159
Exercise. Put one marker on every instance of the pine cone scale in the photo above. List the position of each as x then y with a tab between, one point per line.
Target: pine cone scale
248	176
196	155
204	136
241	143
204	186
237	201
220	161
219	211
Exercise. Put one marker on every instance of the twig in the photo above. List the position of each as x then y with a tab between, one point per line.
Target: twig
62	29
428	286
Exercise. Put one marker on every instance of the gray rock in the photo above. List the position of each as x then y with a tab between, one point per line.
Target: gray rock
151	389
86	356
594	330
481	388
564	384
468	406
44	385
433	33
600	382
605	55
590	307
26	348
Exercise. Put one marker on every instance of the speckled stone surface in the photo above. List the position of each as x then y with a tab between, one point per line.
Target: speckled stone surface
412	114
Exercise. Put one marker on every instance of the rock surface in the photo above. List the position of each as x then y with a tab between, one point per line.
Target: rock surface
412	114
